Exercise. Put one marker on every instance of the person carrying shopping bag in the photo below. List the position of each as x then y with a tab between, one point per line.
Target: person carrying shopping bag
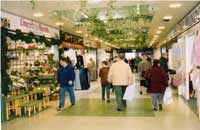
143	66
120	75
158	81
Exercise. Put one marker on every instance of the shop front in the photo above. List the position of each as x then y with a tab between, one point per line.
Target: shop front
184	59
29	60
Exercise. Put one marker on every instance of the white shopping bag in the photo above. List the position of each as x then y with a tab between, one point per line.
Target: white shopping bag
168	98
130	93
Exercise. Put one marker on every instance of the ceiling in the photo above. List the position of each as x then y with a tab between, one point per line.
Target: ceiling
48	8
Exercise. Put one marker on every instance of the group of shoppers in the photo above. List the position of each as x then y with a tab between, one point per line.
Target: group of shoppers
119	75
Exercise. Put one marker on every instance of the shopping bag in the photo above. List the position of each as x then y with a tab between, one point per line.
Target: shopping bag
168	98
130	93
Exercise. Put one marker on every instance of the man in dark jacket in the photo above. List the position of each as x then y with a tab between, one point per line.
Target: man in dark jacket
164	62
66	76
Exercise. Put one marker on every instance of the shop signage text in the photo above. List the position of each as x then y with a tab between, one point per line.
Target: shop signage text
33	25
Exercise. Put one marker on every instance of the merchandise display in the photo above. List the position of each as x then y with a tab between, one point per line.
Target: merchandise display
32	73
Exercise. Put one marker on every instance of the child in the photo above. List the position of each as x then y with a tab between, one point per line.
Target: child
103	74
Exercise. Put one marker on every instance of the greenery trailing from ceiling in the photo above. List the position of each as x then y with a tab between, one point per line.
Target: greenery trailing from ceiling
126	27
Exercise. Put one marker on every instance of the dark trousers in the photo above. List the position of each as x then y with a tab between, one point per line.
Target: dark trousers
119	92
106	89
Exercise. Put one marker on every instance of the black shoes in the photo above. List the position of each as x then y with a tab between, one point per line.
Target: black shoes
141	93
155	109
160	107
108	101
118	109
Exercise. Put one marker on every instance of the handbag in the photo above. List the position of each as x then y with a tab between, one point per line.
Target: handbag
147	80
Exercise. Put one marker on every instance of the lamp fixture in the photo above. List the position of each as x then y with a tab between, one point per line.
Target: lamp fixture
38	14
175	5
161	27
158	32
79	31
60	23
168	17
155	36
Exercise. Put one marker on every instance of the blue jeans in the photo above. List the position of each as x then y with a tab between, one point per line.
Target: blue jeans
157	99
119	92
63	93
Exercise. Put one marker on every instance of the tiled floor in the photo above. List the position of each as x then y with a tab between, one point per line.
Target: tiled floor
176	116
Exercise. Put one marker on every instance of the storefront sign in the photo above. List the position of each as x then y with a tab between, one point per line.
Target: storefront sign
71	45
31	25
25	25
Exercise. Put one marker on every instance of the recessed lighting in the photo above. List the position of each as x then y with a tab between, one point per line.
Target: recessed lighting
158	32
161	27
167	17
79	31
60	23
175	5
38	14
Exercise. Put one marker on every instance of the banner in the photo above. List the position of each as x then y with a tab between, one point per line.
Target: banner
25	25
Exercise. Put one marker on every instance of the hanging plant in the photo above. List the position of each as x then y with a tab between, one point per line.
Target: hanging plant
28	38
18	36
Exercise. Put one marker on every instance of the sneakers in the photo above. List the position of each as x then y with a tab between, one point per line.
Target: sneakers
60	108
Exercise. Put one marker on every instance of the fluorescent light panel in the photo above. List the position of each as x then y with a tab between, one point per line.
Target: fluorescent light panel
161	27
38	14
168	17
175	5
60	23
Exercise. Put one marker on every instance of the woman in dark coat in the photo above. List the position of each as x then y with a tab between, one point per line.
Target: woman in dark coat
157	78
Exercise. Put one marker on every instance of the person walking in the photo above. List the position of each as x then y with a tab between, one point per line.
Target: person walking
158	82
66	76
103	74
164	62
120	75
92	69
143	66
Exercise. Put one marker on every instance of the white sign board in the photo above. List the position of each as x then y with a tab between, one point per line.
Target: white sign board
26	25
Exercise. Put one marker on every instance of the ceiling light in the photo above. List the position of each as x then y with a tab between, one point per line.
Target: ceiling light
93	1
175	5
60	23
38	14
167	17
161	27
79	31
155	36
158	32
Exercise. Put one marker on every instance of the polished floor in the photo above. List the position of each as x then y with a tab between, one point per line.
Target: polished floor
176	116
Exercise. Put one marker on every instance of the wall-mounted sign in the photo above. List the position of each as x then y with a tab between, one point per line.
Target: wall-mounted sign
72	38
71	45
25	25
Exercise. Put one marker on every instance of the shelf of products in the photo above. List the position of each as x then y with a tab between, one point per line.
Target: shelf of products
33	64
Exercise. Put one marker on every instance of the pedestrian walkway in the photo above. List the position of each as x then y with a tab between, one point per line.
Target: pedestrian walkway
176	116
